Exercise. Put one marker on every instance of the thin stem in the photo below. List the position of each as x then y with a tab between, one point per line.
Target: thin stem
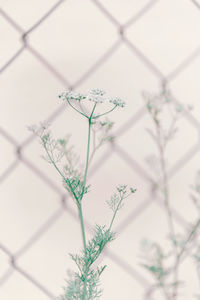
77	110
87	157
170	131
61	174
94	150
179	255
189	237
88	149
114	215
80	205
82	109
94	147
53	162
116	210
166	188
107	112
161	147
82	225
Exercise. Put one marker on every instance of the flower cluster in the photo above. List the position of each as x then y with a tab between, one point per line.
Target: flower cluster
123	188
155	102
117	101
94	95
41	130
69	95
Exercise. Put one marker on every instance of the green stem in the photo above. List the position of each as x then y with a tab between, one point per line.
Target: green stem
165	184
58	170
196	226
178	258
77	110
107	112
82	225
53	162
88	150
115	212
114	215
87	157
80	205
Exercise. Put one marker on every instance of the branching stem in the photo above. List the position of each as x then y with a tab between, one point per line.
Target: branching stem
77	109
80	205
117	208
53	163
107	112
161	147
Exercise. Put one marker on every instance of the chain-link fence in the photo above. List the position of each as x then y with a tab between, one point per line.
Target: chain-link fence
124	47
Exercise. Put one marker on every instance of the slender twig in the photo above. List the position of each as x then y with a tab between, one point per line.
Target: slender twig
80	207
178	258
191	234
53	162
115	212
164	179
77	109
88	149
122	197
107	112
95	148
161	146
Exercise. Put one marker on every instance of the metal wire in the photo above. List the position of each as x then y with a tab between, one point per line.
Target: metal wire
21	146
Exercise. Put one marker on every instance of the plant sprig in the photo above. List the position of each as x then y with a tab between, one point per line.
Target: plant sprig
167	278
84	283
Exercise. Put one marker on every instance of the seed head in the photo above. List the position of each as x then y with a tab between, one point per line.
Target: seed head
94	95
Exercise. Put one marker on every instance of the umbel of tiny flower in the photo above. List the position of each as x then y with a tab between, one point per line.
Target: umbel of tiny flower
156	102
95	95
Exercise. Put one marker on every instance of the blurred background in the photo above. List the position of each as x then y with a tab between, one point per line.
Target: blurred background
125	47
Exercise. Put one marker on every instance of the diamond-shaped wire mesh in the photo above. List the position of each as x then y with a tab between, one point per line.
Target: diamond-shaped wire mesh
124	47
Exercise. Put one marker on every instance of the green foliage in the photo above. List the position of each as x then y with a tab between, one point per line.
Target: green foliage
94	248
76	285
75	186
84	261
116	200
158	271
96	245
154	259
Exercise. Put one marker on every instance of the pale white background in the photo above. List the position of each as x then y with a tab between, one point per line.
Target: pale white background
161	41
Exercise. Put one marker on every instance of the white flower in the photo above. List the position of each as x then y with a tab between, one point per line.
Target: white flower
121	188
97	92
42	131
117	101
94	95
69	95
155	102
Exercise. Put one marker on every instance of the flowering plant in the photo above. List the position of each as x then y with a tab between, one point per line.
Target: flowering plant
84	283
164	264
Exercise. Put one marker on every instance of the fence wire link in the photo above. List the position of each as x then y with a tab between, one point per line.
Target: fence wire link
20	147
